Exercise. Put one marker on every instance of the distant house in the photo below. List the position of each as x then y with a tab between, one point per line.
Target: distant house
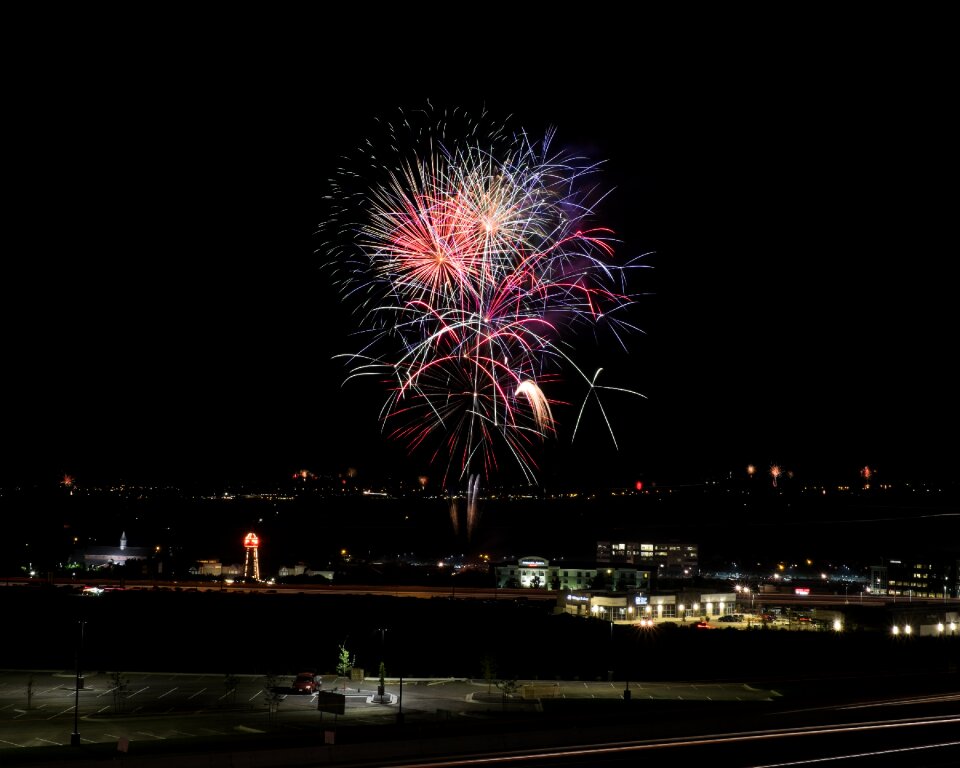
95	557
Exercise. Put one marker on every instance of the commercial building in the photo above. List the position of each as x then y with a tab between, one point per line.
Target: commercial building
538	573
633	607
916	576
669	560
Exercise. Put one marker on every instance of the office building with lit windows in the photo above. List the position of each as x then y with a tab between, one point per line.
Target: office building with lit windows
916	576
669	560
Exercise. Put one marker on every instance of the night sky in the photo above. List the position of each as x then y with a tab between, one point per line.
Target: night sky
166	317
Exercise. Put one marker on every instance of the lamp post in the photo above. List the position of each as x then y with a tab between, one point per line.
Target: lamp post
75	736
400	709
626	670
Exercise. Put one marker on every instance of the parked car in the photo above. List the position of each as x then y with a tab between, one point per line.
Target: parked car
306	682
731	617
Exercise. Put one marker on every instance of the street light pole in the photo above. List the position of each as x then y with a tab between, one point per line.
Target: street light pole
626	672
75	736
400	709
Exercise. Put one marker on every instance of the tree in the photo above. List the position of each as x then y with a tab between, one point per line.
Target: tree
345	663
488	668
507	688
230	687
120	685
535	581
275	694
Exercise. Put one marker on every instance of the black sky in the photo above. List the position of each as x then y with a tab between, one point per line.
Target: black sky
165	315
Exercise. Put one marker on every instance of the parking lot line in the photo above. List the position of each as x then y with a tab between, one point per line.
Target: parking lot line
68	709
167	693
12	744
198	693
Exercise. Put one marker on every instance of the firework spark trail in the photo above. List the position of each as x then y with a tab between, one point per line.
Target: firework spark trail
473	507
471	259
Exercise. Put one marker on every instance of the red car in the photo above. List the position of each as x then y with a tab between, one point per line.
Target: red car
702	625
305	682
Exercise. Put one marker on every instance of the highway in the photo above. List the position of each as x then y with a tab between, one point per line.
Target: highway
391	590
813	600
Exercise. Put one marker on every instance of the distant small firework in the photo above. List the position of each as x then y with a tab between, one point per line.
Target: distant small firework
470	252
67	481
775	472
751	470
866	473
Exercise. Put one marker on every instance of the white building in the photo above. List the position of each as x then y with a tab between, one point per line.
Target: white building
104	557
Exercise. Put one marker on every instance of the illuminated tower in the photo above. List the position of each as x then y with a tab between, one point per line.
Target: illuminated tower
251	564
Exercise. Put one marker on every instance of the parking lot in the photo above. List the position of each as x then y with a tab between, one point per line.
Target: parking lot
37	708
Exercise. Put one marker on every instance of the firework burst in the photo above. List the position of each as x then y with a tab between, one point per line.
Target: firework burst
470	254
